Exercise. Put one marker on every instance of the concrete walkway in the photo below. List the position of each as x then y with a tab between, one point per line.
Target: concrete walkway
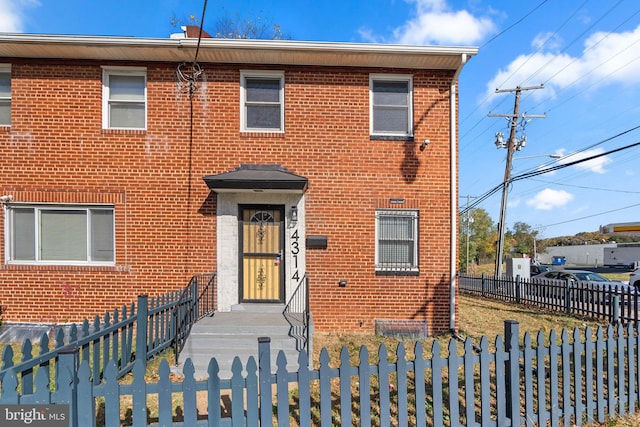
228	334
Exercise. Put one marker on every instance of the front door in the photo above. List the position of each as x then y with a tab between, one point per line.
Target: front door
262	239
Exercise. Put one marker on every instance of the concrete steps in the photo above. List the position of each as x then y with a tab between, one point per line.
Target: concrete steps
228	334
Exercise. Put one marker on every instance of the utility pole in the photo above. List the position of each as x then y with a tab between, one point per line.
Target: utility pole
512	144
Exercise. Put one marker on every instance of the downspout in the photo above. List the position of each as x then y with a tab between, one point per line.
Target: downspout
454	195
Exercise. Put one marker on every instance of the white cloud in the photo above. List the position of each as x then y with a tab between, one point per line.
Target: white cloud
596	165
436	23
10	22
548	199
513	203
11	19
549	40
606	58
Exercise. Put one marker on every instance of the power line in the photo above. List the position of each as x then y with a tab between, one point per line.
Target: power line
514	24
542	45
607	35
608	190
204	9
519	177
588	216
582	33
585	149
501	33
189	79
562	166
575	39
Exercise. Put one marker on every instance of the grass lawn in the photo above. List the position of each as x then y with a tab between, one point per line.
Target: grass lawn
478	317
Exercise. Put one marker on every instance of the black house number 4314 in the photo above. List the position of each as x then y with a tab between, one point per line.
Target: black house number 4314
295	250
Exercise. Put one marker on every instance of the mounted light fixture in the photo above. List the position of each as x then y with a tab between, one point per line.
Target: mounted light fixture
293	214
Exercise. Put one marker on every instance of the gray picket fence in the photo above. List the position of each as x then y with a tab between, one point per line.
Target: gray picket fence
109	339
571	379
590	299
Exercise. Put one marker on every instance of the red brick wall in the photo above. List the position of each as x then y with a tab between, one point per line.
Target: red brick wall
165	214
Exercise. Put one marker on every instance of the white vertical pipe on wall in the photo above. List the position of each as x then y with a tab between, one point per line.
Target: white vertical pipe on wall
454	194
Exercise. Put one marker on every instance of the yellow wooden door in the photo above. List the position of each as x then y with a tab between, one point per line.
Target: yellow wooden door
261	254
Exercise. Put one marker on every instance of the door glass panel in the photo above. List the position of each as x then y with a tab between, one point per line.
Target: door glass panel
261	254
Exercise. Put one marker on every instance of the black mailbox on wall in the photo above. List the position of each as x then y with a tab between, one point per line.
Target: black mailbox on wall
316	242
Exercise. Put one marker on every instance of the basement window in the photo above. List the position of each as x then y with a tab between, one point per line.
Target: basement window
60	234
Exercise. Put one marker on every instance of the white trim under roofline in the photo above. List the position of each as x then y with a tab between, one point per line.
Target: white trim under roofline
282	52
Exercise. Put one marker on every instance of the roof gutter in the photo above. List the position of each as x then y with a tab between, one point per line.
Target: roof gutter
453	273
221	43
232	51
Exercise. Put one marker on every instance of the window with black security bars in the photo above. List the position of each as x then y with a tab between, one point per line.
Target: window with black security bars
397	240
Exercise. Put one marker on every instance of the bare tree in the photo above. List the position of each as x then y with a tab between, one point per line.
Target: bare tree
236	26
255	27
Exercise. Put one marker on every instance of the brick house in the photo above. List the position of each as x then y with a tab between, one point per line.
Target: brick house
127	168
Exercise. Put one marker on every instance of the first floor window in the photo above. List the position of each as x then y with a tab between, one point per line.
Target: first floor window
5	95
396	240
60	234
124	98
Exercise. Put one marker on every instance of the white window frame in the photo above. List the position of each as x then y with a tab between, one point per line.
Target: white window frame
248	74
107	72
6	68
405	78
388	267
38	208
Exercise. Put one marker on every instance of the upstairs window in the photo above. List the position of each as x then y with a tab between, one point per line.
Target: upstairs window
60	235
391	105
5	95
124	98
262	101
397	241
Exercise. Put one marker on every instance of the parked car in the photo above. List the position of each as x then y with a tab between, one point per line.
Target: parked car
584	276
539	269
634	278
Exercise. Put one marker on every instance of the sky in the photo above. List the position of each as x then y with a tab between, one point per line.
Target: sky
585	54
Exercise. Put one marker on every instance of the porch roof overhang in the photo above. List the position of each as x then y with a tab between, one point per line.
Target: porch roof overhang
257	178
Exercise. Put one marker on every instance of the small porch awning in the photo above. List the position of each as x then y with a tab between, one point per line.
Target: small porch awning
257	178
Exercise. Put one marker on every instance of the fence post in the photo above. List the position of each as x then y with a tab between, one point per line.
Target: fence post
615	309
518	292
264	373
512	370
142	319
482	284
68	359
567	297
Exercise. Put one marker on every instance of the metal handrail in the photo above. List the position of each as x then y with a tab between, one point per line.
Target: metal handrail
193	305
298	315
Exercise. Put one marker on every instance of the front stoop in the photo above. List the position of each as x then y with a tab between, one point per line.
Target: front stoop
226	335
